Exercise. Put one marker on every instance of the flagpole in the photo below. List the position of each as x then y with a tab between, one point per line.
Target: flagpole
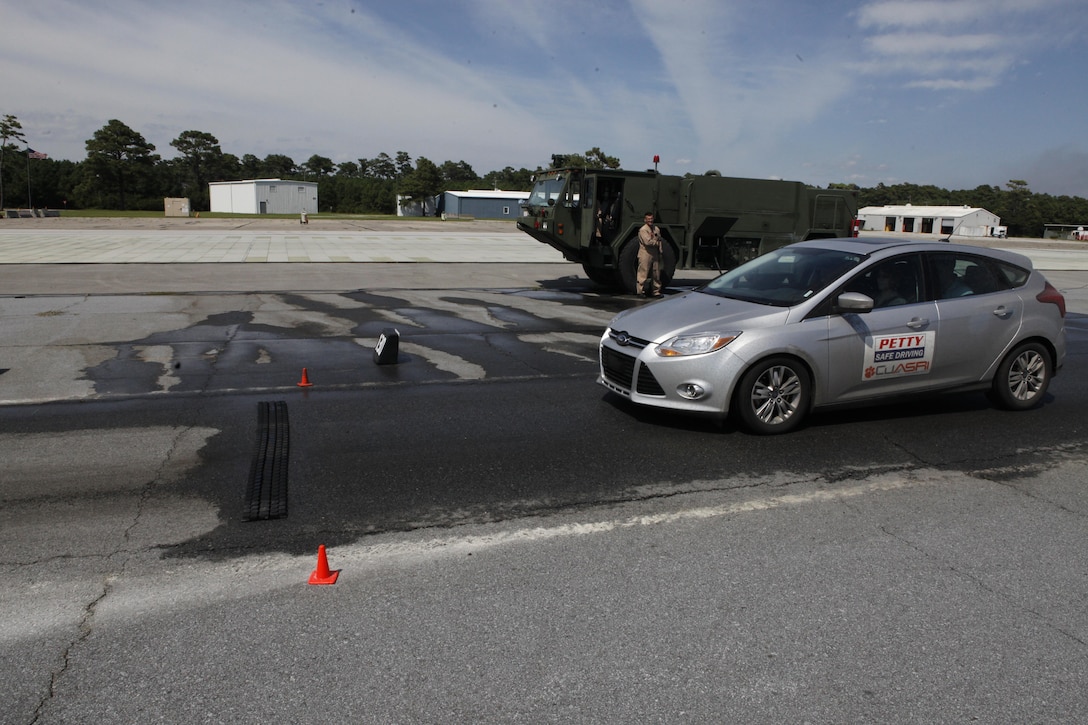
29	199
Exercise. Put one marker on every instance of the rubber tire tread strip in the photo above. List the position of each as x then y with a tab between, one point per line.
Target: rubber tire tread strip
266	493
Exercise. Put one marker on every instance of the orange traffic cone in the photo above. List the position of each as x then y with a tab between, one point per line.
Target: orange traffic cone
322	575
305	382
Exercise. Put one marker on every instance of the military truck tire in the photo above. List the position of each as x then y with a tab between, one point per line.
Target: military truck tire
668	265
628	271
608	278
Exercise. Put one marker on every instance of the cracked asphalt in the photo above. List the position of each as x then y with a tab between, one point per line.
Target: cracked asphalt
514	545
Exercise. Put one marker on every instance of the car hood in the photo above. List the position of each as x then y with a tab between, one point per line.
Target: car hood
696	312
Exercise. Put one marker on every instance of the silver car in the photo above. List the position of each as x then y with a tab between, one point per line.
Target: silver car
838	321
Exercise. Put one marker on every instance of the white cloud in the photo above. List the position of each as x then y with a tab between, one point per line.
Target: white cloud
786	88
738	96
282	87
912	13
958	45
926	44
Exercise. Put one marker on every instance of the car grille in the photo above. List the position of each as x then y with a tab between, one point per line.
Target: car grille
622	338
619	369
647	383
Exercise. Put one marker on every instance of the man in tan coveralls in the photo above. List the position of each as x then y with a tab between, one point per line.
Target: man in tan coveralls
649	256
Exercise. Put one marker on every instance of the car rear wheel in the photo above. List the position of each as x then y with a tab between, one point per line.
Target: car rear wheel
1023	377
773	396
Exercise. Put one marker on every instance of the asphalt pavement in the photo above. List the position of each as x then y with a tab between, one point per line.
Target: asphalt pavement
921	566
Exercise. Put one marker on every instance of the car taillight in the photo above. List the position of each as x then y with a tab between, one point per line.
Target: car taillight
559	228
1051	296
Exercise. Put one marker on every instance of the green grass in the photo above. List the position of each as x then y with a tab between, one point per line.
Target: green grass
109	213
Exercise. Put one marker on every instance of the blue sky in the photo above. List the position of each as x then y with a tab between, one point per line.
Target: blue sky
955	93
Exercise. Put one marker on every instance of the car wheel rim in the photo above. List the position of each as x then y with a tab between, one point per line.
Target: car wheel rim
776	394
1027	375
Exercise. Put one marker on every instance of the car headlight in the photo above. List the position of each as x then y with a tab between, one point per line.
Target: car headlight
697	344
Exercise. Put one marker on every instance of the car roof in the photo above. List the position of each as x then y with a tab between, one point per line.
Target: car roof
872	245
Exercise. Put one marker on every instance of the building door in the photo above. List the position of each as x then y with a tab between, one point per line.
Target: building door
264	207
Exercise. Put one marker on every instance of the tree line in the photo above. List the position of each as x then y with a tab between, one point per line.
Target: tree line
123	171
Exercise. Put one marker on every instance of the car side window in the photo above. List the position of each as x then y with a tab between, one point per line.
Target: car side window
1010	276
980	278
961	275
892	282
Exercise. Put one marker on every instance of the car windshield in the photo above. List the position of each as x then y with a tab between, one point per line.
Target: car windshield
784	277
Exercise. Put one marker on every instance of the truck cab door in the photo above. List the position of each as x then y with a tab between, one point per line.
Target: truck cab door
590	210
608	198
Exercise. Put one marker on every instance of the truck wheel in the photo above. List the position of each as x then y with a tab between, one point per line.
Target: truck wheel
668	265
628	271
604	277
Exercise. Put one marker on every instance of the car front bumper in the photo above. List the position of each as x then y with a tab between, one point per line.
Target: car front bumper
696	383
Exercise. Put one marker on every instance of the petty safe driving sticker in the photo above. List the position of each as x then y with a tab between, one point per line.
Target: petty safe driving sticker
897	355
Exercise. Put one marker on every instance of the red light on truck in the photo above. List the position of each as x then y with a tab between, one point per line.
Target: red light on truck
559	228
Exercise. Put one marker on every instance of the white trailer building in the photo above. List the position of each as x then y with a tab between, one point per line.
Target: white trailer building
264	196
962	221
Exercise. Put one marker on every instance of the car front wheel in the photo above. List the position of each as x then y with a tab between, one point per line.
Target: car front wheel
1023	377
773	396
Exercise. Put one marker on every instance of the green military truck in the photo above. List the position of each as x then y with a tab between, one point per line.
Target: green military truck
592	216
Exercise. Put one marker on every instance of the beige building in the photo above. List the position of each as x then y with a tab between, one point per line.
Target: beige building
965	221
176	206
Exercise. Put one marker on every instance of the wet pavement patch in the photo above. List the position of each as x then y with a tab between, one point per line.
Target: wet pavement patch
266	492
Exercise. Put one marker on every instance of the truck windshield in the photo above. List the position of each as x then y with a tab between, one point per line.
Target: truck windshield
546	191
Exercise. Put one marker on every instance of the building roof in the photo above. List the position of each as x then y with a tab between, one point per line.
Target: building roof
927	211
492	194
263	181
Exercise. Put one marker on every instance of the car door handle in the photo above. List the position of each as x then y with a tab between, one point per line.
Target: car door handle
917	323
1003	312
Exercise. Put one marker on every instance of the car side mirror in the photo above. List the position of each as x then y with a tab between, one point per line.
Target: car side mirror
854	302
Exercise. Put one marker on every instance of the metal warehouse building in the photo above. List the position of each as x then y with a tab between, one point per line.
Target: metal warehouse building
264	196
963	221
482	204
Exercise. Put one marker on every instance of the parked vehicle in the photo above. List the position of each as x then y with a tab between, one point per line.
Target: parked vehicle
836	321
592	217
